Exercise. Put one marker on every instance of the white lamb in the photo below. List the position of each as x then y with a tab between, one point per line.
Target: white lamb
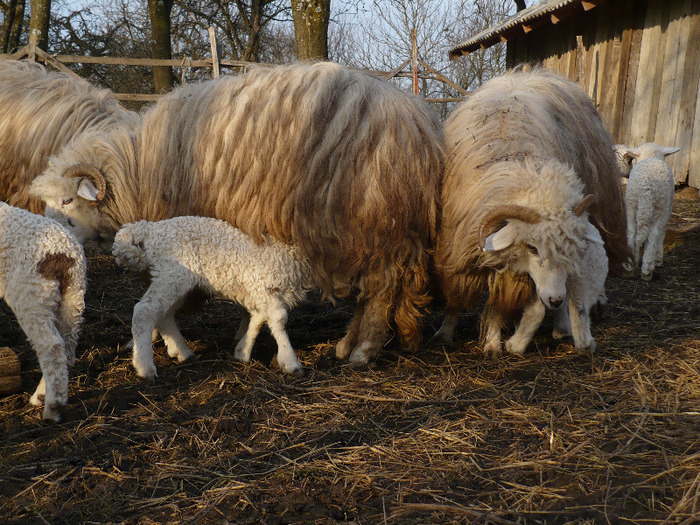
187	253
42	279
649	199
586	289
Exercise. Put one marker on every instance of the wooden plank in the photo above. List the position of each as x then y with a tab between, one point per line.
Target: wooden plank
648	80
627	28
174	62
625	135
672	82
610	47
690	83
691	101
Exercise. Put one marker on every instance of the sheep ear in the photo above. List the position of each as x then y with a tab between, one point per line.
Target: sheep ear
671	151
501	239
87	190
592	234
632	153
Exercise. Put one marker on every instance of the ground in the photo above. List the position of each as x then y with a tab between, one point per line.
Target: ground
442	435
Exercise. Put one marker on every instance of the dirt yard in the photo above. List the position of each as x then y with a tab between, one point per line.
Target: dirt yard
440	436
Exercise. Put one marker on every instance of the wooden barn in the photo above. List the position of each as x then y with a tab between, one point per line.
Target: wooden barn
639	60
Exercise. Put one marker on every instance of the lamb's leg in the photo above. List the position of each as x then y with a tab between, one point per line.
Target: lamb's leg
244	348
70	318
36	318
446	332
654	250
243	327
645	211
175	343
347	343
579	315
286	357
562	325
149	312
492	324
374	332
528	325
631	207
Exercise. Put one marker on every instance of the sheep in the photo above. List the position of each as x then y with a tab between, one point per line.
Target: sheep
42	279
649	200
527	156
40	112
625	156
184	254
586	289
340	164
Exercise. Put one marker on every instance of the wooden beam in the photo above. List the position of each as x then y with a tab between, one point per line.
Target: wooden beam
443	78
588	4
555	19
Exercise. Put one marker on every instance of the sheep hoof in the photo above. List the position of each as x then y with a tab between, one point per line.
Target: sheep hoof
148	372
51	414
183	357
440	337
362	355
514	349
647	276
296	372
492	350
342	349
37	400
560	334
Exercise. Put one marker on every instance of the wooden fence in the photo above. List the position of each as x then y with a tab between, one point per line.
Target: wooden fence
32	52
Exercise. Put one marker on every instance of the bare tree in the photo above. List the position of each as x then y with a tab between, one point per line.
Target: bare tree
13	16
159	11
40	16
311	18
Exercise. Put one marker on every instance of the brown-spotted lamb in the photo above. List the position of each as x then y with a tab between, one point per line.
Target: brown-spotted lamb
41	111
184	254
340	164
649	200
42	279
529	165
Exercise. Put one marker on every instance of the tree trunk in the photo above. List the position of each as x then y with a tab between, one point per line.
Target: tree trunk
12	27
311	28
159	11
40	16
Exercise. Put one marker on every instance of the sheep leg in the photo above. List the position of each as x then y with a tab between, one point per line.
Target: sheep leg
653	251
492	324
347	343
374	333
174	342
447	330
581	326
149	312
243	327
632	231
244	348
286	357
69	320
645	213
37	322
528	325
562	325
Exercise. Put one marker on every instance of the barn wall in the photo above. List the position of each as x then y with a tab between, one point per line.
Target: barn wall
639	61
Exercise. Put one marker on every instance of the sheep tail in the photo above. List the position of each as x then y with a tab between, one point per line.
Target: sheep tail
128	248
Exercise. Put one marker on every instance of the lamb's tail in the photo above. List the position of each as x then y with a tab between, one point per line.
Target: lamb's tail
128	248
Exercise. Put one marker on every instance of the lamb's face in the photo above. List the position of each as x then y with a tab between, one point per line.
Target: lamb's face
71	201
548	274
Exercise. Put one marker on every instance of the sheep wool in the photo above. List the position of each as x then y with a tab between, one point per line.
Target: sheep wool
187	253
42	279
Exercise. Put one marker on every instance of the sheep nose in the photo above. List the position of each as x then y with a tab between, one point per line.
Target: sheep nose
555	303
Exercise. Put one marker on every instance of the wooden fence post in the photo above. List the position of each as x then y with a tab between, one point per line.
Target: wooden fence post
31	48
414	60
214	52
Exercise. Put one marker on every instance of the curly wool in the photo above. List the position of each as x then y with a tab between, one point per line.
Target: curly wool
42	279
40	112
187	253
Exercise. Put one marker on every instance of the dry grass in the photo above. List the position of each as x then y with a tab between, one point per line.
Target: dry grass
440	436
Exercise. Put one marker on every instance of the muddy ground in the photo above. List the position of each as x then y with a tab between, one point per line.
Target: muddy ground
438	436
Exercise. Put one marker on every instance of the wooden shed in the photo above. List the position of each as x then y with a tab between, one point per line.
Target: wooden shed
639	60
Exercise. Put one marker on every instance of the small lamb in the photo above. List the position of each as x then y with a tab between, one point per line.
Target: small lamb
649	200
586	290
42	279
187	253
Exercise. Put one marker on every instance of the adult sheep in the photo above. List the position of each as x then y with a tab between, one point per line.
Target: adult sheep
341	164
527	155
40	112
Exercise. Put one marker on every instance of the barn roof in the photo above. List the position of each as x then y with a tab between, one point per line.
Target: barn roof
547	11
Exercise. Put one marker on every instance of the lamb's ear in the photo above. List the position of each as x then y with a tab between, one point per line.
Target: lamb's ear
670	151
592	234
501	239
632	153
87	190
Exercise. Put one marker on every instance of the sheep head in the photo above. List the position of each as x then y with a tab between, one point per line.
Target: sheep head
72	195
548	249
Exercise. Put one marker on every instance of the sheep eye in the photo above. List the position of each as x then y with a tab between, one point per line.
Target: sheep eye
532	249
66	202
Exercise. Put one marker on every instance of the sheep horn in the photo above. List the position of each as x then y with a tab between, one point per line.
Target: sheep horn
92	173
585	203
501	213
